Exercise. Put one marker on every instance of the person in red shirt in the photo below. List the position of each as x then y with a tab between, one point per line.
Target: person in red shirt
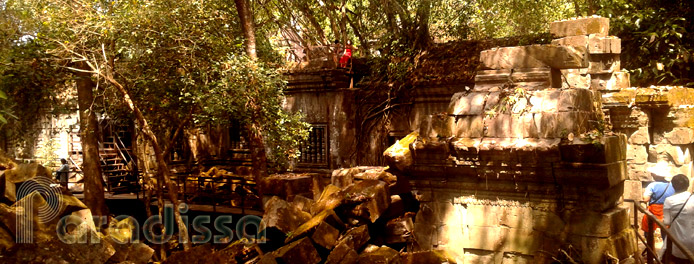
347	55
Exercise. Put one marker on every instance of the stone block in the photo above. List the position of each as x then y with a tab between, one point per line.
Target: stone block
577	41
7	240
548	223
498	126
491	216
518	76
330	198
595	249
355	237
575	78
682	117
268	258
598	198
677	155
525	241
372	199
434	150
536	101
435	126
282	215
342	254
382	255
429	256
611	150
680	136
492	102
550	100
343	177
516	126
300	251
492	76
287	187
377	173
639	172
464	103
598	175
515	258
325	235
476	256
528	125
469	126
303	203
640	136
534	56
575	100
398	230
633	190
603	63
573	122
598	224
614	81
309	227
140	253
599	26
637	154
398	155
602	45
595	44
547	125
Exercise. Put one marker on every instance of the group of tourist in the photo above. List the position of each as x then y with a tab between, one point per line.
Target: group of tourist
344	53
669	200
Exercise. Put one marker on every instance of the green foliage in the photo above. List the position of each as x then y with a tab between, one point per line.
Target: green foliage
657	39
242	83
46	153
483	19
184	54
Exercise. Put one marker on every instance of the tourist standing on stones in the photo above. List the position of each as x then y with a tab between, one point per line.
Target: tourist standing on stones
62	173
337	52
347	55
678	213
656	192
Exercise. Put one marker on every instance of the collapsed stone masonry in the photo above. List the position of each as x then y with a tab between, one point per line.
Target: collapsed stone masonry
658	122
520	166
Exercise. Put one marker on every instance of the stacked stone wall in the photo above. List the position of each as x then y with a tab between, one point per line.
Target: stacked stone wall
658	124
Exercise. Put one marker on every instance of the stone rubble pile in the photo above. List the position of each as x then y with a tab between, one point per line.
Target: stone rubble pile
364	216
32	212
356	219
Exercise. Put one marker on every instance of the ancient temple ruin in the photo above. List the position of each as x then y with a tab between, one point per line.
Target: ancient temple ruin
521	165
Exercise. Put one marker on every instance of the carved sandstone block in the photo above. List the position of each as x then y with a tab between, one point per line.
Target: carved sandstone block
599	26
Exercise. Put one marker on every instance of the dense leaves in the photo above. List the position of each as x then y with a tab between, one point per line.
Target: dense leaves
657	39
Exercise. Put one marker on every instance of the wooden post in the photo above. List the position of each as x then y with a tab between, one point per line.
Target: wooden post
650	241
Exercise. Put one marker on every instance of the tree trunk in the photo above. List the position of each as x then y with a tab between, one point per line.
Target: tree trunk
254	130
163	171
592	7
423	38
303	6
343	22
365	46
258	155
93	187
248	27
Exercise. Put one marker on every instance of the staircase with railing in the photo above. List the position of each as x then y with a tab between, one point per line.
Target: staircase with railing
649	239
116	162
